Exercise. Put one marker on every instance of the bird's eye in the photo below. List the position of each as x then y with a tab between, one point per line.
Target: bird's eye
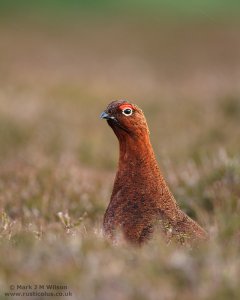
127	112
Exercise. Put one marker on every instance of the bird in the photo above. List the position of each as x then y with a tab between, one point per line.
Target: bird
141	202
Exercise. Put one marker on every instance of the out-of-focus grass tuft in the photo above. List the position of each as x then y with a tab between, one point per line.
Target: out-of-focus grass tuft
12	135
231	107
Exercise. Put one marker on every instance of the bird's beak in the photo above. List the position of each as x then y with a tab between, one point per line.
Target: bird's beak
112	120
106	116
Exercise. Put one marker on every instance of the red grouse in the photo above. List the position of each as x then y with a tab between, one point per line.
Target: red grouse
141	200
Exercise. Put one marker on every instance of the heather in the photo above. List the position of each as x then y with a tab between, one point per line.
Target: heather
58	159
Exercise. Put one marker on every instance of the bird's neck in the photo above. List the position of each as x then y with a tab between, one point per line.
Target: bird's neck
138	168
135	152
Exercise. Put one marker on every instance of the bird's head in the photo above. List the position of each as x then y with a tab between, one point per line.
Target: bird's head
125	118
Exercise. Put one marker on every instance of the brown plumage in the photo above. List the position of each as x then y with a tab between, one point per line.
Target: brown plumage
141	200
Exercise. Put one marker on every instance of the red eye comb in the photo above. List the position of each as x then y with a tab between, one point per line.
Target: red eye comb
124	106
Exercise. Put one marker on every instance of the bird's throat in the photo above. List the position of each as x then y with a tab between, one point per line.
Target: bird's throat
136	157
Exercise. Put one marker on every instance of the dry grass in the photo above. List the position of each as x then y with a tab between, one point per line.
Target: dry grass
57	159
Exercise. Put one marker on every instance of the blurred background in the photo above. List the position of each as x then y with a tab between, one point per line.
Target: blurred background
61	63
